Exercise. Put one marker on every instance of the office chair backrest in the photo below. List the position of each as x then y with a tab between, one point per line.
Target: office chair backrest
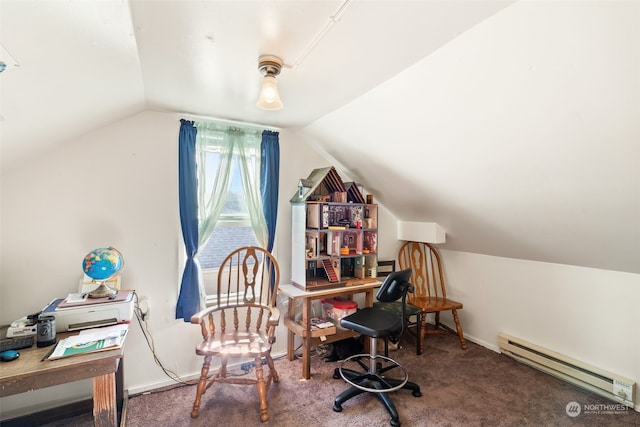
395	286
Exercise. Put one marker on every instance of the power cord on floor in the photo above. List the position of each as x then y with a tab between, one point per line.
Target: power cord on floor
144	327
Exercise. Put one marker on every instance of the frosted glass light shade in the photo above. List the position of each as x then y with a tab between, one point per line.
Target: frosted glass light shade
269	97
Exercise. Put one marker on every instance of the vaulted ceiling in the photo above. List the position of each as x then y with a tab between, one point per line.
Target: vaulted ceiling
512	124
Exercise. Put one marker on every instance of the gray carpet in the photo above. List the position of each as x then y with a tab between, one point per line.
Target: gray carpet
476	387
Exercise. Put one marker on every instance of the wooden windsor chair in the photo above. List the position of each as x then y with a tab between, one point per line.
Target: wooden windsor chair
430	294
241	323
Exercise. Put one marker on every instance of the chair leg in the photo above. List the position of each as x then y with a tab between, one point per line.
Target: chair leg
391	408
346	395
415	388
423	330
262	391
419	335
202	387
456	319
272	368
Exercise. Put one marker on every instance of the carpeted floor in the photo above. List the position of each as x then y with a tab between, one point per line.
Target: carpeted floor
476	387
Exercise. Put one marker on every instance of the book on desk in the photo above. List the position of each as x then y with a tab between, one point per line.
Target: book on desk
90	341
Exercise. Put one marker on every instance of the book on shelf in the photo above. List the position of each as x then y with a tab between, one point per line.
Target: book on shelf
321	328
91	341
321	323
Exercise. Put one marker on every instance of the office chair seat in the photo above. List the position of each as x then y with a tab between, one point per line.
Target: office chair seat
373	322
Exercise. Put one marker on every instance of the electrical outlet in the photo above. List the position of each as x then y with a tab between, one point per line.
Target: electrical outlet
143	307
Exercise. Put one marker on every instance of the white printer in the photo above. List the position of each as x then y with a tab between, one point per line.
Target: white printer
92	312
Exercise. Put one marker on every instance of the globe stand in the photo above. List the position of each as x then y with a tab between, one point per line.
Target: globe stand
102	291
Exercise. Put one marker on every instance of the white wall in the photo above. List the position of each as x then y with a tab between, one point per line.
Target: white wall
589	314
118	186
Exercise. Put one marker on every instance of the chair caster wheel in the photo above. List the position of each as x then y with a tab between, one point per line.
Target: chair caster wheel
394	423
337	408
336	376
416	393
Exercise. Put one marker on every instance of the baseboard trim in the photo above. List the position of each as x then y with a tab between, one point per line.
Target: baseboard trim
149	388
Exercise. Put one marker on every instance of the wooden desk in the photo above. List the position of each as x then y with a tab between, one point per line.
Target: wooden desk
30	372
303	328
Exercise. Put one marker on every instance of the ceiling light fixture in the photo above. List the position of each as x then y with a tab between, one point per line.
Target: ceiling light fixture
269	66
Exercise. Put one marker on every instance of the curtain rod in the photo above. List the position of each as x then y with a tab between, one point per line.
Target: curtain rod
233	122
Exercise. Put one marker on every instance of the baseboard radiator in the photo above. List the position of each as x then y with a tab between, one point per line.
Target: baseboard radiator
597	380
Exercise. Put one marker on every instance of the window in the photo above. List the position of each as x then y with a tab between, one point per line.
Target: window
233	228
206	153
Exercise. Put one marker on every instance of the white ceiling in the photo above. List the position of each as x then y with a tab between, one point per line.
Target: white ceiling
513	124
84	64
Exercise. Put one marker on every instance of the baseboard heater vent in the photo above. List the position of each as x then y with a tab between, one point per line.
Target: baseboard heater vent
597	380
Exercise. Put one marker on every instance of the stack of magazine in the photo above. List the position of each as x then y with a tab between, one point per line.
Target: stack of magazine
91	340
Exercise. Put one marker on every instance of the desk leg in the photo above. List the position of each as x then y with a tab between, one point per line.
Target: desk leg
306	340
122	396
290	335
104	400
368	298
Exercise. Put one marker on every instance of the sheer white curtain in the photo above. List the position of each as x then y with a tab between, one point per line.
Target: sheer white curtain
228	142
249	161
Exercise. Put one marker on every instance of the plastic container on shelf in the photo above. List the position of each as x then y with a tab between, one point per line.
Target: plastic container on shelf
334	309
327	308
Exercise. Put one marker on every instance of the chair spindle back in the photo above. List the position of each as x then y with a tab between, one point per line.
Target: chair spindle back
427	276
248	280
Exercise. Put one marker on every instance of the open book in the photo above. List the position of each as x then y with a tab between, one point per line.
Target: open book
91	340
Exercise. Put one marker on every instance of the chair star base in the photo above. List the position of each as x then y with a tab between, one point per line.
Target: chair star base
374	379
377	324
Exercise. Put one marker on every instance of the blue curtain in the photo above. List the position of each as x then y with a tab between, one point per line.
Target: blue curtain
269	183
270	180
189	298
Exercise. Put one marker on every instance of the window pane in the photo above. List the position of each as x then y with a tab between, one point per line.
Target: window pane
223	240
236	204
233	229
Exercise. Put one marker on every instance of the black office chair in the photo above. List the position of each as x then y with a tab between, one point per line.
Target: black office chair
377	323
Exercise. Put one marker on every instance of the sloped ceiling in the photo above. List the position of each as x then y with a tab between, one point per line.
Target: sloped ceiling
521	137
84	64
513	125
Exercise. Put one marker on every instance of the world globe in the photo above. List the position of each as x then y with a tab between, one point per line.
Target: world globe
101	265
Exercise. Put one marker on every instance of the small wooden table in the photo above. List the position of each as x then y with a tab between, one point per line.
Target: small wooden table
303	328
30	372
